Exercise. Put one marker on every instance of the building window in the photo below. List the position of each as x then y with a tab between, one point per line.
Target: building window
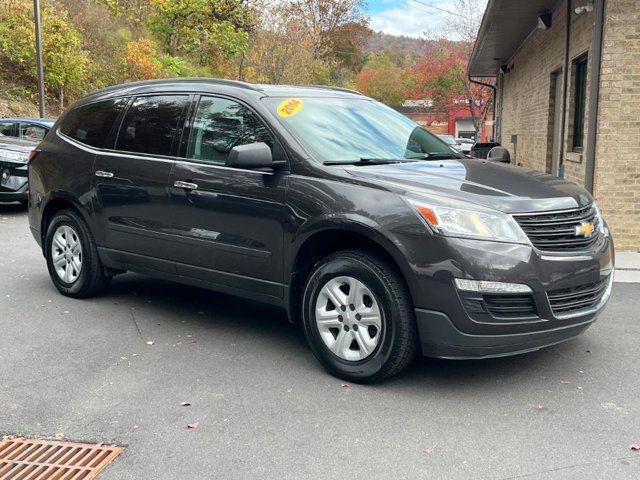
579	100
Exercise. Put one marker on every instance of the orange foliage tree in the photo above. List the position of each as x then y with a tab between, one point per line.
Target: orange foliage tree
441	75
141	56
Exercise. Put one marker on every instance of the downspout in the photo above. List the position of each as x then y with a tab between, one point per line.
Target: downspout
477	82
592	126
566	75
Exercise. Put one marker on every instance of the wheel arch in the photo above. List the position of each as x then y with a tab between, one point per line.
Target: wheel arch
54	205
333	235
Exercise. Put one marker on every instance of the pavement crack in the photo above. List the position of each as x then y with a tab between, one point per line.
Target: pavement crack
135	322
567	467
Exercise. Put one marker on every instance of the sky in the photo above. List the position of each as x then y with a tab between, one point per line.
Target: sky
408	17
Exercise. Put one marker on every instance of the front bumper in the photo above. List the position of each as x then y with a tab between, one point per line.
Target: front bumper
440	338
13	182
458	324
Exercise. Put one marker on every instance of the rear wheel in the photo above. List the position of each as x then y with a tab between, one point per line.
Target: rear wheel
358	317
72	257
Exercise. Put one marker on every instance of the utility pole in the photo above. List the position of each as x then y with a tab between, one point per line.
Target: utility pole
36	14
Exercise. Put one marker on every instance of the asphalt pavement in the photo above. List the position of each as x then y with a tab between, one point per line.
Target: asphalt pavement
84	370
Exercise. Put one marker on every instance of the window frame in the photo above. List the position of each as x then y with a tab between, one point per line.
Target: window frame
188	132
177	135
109	137
580	70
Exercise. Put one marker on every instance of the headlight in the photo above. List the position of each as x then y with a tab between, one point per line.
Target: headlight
601	225
15	157
461	222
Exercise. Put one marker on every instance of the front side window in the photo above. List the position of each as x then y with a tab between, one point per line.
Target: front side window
354	129
579	97
32	132
8	129
90	124
150	124
219	125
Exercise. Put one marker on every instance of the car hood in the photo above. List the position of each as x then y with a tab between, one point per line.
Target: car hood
499	186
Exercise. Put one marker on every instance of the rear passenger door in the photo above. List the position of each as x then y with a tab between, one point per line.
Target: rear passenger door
229	222
130	181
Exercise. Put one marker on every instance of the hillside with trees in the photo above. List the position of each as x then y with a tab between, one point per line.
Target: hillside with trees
90	44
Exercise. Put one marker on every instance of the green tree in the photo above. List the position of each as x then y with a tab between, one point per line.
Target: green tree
65	61
203	29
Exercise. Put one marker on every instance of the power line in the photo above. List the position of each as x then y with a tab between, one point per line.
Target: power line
446	11
406	2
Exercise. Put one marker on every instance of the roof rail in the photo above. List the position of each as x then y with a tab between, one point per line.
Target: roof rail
160	81
331	87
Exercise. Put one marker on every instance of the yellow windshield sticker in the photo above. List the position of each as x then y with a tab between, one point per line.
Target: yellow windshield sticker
289	107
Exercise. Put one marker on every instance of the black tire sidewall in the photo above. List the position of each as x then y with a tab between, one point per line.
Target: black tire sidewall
372	365
70	219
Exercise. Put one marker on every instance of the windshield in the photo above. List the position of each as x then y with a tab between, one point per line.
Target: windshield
351	130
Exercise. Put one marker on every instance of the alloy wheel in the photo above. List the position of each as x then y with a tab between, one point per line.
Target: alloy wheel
348	318
66	254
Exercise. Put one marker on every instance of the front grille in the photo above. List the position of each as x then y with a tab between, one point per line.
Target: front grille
556	231
510	306
565	301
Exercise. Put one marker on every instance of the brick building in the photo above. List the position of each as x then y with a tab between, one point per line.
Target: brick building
455	121
584	126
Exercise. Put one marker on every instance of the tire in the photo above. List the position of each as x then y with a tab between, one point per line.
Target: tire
375	353
85	279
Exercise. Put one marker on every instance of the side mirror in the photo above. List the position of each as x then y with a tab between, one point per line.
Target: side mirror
252	155
499	154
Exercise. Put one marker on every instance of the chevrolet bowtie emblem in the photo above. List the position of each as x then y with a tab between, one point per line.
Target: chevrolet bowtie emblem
585	229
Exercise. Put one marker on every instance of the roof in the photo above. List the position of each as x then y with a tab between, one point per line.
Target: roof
505	25
186	84
47	122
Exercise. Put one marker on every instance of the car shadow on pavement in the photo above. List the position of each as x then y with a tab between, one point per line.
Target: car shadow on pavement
12	209
264	324
210	311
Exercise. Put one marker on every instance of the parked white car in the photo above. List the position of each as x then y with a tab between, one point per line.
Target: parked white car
465	144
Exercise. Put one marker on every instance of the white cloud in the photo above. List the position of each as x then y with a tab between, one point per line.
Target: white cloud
405	21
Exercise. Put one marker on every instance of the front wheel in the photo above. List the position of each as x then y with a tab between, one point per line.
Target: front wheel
358	317
72	257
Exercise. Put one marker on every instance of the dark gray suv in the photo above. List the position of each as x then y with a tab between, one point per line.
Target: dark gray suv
367	229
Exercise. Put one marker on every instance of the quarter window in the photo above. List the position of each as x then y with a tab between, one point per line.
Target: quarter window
91	124
219	125
150	124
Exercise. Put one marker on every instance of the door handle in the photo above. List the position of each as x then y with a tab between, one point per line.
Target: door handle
185	185
103	174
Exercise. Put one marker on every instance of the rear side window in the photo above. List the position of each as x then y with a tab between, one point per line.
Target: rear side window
32	132
90	124
151	123
8	129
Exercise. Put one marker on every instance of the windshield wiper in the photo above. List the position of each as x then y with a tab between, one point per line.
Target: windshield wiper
366	161
435	156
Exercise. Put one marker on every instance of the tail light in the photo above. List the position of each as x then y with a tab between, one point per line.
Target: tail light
33	154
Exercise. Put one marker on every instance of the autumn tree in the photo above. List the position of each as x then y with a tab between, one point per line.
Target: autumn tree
283	51
340	26
203	29
384	79
441	72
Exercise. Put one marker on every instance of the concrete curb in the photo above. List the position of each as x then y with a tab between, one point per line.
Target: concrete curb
627	267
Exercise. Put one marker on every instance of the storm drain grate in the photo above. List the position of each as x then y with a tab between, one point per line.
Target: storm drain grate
26	459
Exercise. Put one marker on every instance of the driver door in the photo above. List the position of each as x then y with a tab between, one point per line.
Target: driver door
228	222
